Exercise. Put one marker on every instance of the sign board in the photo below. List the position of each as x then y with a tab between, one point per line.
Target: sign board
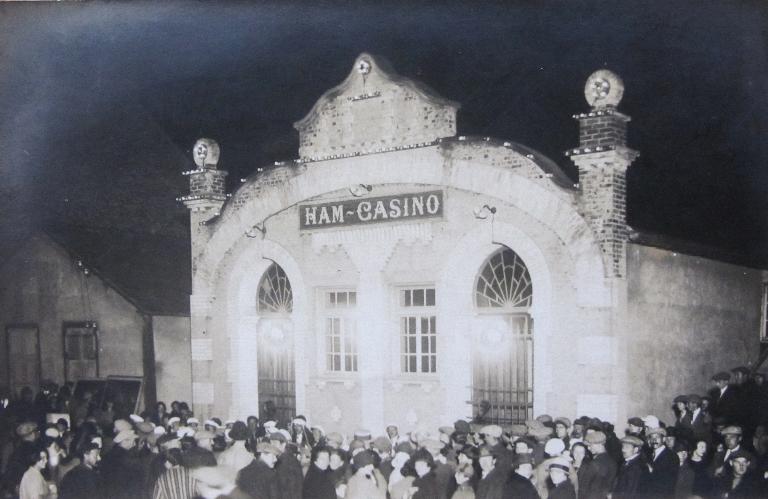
371	210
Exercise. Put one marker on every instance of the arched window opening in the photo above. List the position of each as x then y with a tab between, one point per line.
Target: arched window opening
275	295
504	282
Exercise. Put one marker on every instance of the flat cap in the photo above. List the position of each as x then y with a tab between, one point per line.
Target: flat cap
722	376
741	454
145	427
554	446
405	447
363	458
335	438
265	447
432	445
560	463
461	426
635	421
382	444
694	398
651	421
125	435
26	428
121	425
731	430
446	430
492	431
518	430
204	435
632	440
681	398
174	419
362	434
563	421
544	418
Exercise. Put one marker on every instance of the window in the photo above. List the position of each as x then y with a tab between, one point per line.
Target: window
81	350
275	295
504	282
764	315
340	331
418	330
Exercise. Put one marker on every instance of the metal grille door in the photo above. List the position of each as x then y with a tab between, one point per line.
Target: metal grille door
502	377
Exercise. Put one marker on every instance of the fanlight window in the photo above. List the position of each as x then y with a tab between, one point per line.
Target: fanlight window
504	282
275	295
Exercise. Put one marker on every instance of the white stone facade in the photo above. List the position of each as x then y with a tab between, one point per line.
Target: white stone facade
392	137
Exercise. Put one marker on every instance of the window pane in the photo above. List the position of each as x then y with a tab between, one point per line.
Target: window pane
411	325
342	299
353	298
433	325
73	346
431	297
412	364
89	346
418	297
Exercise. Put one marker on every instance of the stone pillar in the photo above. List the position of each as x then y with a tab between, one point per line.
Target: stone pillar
602	158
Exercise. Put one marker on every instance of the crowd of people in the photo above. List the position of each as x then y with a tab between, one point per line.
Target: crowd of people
714	446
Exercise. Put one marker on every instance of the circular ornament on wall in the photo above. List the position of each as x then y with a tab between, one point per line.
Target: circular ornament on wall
604	88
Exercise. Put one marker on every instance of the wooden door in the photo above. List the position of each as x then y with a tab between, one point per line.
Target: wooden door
23	347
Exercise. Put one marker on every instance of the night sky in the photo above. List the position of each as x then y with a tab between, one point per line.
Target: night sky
100	104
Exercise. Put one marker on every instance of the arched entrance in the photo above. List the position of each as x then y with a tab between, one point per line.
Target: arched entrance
502	358
277	382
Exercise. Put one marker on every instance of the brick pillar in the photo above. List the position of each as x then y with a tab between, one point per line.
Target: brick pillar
603	158
207	194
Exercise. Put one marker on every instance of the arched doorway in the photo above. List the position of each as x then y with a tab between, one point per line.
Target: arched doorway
502	357
277	383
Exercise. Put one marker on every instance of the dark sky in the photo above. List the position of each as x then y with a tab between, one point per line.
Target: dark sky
101	103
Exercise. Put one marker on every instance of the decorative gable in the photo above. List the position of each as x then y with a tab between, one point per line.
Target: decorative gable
374	109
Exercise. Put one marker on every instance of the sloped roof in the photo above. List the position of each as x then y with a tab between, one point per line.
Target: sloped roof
150	270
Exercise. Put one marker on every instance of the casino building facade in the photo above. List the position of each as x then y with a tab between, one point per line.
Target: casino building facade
400	273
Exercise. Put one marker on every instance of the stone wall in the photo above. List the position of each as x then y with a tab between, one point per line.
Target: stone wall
689	317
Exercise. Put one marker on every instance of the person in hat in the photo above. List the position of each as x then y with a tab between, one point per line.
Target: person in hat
366	481
84	481
425	484
201	453
317	483
16	464
553	449
732	443
383	447
402	476
559	471
259	478
562	429
725	399
492	477
122	470
680	407
686	475
288	467
237	456
664	466
596	476
491	435
519	485
696	422
443	471
740	481
632	473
